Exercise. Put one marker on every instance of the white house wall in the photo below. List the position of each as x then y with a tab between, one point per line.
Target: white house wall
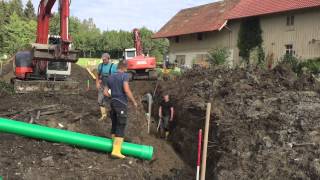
276	34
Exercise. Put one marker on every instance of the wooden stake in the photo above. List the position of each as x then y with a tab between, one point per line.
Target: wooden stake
1	68
205	143
150	101
88	85
91	74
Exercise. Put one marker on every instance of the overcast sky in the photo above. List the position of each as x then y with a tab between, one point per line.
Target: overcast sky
128	14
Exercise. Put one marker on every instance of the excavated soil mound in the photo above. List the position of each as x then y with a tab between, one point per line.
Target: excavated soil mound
264	124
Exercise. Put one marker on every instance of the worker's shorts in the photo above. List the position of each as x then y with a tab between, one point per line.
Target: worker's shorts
119	115
165	123
102	99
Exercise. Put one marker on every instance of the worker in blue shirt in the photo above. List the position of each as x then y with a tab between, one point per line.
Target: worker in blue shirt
105	69
120	94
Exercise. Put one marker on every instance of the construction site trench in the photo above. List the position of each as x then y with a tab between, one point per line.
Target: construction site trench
26	158
264	125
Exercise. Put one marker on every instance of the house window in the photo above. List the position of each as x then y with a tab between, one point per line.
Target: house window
200	36
290	20
180	60
177	39
289	49
201	60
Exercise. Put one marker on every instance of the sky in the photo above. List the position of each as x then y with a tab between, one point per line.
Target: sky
128	14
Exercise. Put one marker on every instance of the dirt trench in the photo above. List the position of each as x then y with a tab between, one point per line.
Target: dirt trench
25	158
264	124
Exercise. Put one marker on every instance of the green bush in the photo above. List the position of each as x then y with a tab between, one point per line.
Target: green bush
218	56
257	56
311	65
292	61
299	66
176	72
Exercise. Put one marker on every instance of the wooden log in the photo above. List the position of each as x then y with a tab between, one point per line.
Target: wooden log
51	112
80	116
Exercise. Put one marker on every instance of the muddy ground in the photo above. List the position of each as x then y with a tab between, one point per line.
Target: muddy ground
264	124
24	158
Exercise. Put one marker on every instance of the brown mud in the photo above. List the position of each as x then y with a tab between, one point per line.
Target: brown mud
264	124
25	158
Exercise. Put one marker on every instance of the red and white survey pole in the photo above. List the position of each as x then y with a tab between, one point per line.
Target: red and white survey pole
199	153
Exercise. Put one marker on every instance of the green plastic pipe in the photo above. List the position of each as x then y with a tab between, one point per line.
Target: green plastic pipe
73	138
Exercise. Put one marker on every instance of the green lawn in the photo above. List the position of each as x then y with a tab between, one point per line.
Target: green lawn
92	62
85	62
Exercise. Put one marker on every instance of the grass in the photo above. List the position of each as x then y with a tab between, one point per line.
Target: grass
92	62
84	62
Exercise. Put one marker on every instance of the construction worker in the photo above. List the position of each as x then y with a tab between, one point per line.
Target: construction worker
105	69
167	62
120	92
166	114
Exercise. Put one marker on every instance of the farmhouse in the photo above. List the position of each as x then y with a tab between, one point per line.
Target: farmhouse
288	27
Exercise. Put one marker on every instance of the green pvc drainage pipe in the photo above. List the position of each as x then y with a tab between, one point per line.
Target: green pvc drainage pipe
73	138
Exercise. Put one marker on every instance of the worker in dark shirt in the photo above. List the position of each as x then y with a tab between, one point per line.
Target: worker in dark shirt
166	113
120	93
105	69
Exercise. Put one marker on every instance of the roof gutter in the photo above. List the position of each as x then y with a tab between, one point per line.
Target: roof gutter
223	25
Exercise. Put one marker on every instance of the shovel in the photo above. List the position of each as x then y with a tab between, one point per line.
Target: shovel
159	124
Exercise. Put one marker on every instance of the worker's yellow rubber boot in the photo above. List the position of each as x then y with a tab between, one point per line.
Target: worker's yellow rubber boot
103	111
167	135
116	151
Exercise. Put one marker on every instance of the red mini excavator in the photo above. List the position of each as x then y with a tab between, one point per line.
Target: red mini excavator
139	65
47	66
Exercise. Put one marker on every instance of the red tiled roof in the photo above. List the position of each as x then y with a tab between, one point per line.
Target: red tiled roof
248	8
203	18
211	17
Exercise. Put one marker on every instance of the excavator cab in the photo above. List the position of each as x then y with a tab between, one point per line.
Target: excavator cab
58	70
140	66
130	53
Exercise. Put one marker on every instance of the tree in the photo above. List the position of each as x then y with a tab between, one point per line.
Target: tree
29	11
154	47
54	28
17	7
147	42
18	34
3	21
249	37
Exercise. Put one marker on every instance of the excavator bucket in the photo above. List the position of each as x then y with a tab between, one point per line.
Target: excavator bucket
46	87
52	52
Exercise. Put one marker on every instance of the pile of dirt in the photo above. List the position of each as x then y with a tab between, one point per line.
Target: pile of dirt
264	124
25	158
78	74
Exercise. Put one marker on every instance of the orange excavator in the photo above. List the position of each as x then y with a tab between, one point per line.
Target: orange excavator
139	65
47	65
